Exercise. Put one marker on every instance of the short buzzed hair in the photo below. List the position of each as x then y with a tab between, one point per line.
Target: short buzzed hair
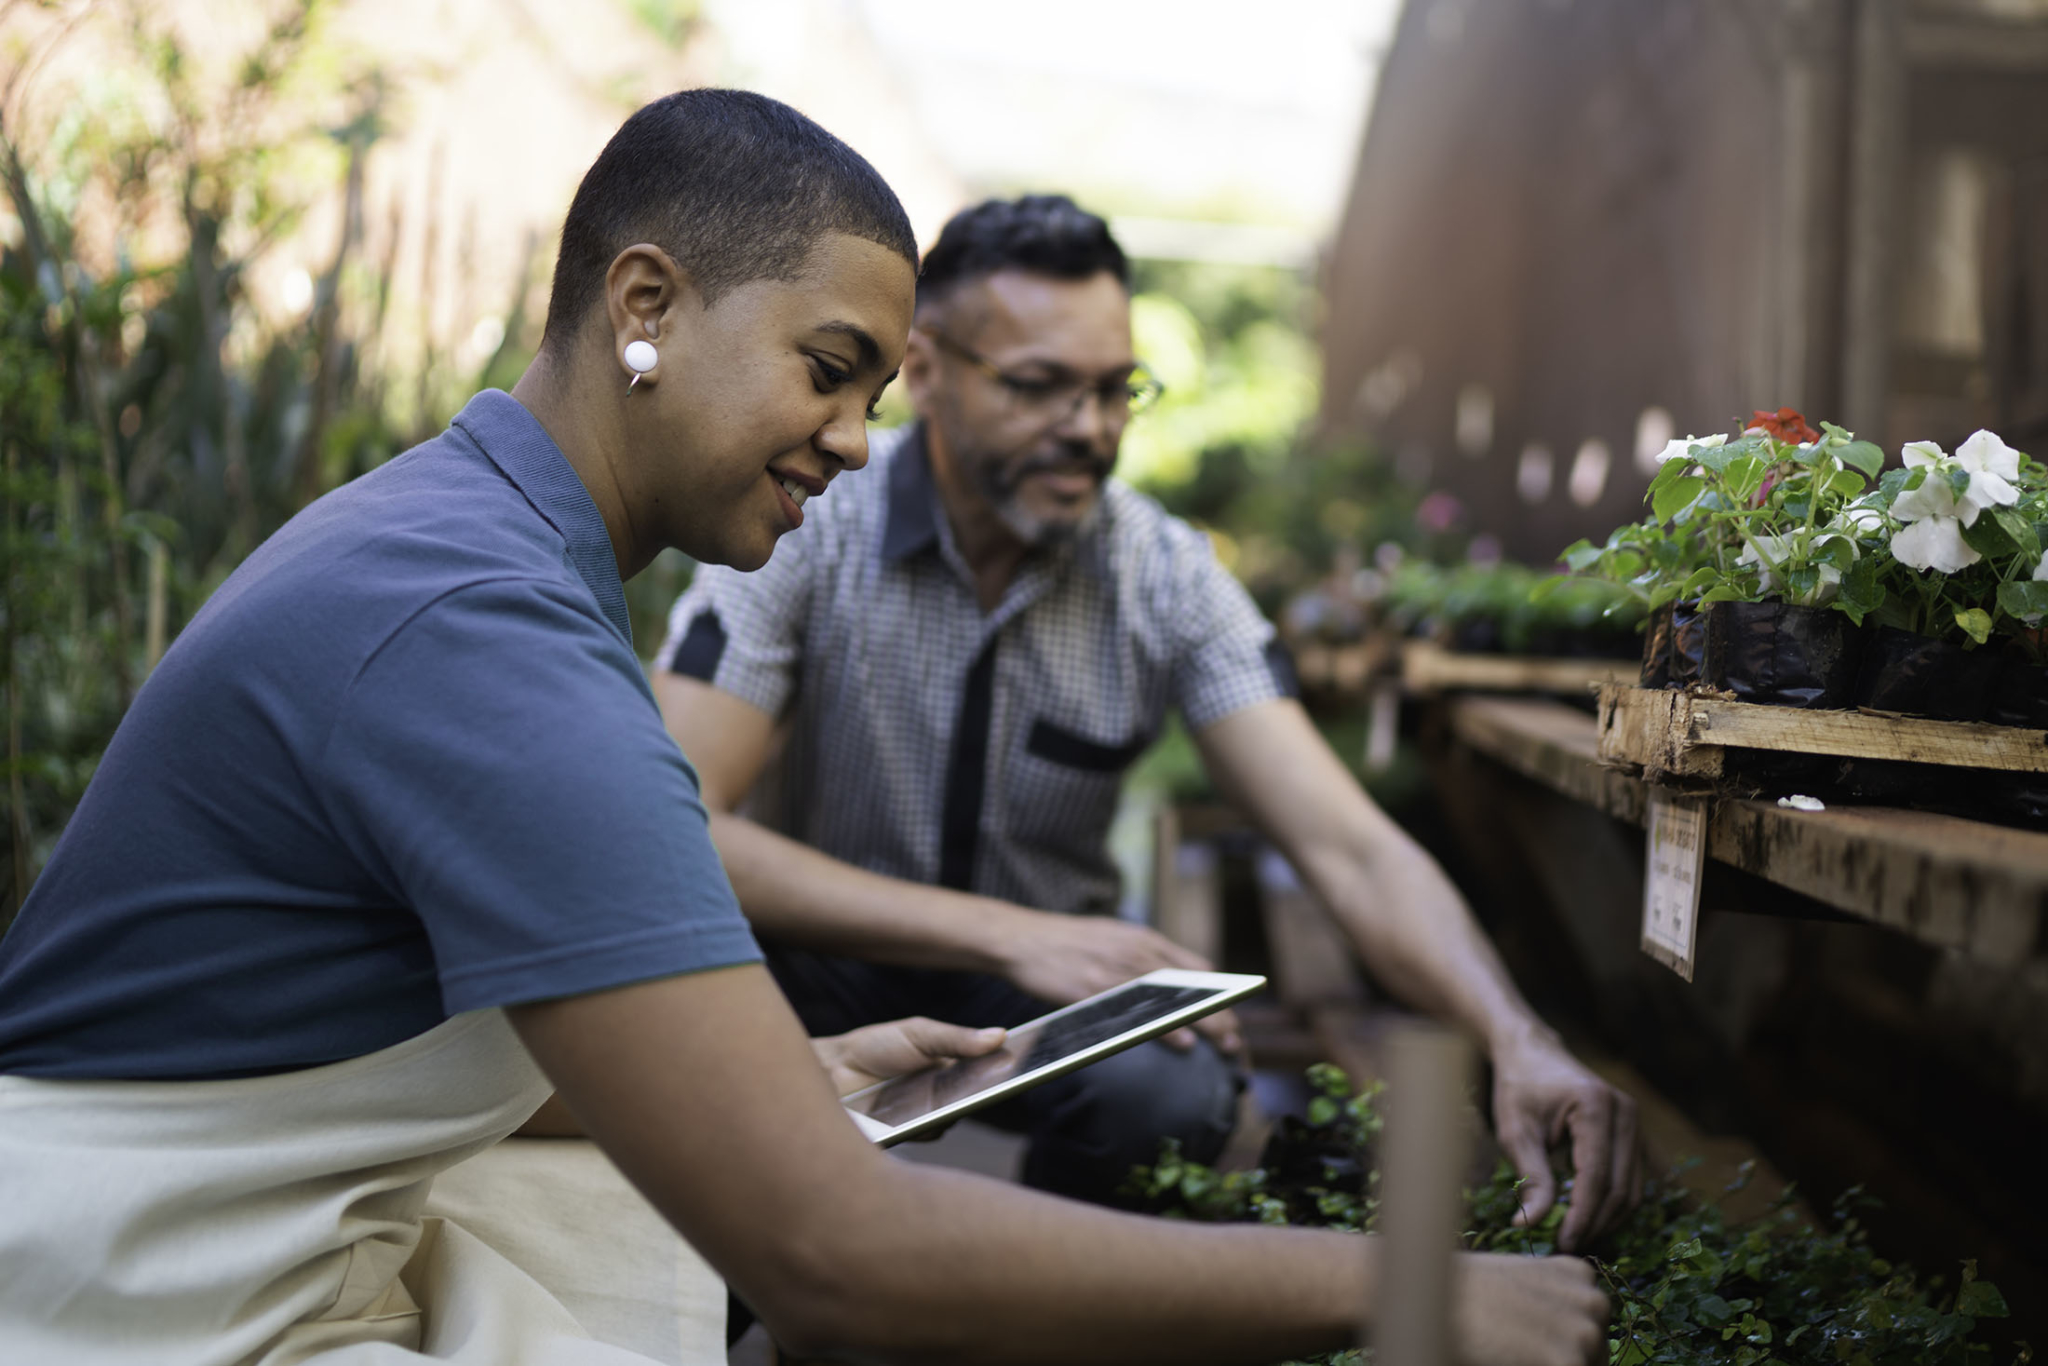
733	185
1045	234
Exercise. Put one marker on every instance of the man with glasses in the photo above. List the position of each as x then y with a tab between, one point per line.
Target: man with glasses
968	648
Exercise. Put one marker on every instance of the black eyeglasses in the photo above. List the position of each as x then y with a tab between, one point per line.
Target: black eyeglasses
1054	398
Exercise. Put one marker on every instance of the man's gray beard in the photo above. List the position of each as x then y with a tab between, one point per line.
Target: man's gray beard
1036	532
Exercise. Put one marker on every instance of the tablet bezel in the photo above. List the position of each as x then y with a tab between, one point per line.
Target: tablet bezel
1229	988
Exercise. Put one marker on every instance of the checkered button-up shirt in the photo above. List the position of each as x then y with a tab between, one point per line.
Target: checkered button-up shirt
934	742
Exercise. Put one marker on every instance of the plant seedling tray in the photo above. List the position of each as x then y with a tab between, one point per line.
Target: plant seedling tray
1667	734
1427	667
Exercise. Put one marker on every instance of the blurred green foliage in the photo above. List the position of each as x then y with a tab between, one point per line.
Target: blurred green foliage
1689	1286
155	423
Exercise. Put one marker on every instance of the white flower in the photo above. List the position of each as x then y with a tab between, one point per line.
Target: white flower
1776	549
1679	447
1933	535
1993	466
1858	519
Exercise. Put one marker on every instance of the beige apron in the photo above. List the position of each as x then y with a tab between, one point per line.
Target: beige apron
279	1220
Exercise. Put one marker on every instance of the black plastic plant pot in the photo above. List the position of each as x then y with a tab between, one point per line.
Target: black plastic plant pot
1657	649
1782	655
1688	644
2019	693
1480	636
1923	676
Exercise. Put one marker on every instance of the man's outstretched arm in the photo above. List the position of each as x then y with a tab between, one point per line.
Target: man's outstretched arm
704	1091
797	895
1416	933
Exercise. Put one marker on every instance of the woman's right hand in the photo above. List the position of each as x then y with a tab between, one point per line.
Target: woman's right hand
1514	1310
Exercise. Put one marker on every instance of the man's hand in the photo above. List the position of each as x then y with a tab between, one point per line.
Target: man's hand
878	1052
1527	1311
1068	958
1541	1094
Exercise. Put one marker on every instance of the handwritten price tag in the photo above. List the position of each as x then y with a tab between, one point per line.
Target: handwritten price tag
1671	880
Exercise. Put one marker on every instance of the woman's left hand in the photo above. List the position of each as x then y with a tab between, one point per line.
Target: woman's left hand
878	1052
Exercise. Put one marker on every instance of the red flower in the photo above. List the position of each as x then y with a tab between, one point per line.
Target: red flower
1786	425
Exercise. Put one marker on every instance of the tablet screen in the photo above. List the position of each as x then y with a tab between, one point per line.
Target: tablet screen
1029	1047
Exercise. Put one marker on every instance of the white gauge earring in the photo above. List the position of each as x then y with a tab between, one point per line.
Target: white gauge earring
640	358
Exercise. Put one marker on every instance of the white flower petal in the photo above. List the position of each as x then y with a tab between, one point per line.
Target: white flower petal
1934	498
1918	453
1986	452
2041	569
1860	520
1679	447
1934	543
1987	489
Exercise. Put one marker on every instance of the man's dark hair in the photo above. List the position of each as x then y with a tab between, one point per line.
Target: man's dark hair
733	185
1046	234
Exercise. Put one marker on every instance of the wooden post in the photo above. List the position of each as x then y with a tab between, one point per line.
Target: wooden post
1420	1178
1876	123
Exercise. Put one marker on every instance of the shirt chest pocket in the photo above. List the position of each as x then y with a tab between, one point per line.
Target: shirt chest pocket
1064	785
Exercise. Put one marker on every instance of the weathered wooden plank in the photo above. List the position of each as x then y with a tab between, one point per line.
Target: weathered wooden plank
1427	667
1552	743
1664	732
1946	881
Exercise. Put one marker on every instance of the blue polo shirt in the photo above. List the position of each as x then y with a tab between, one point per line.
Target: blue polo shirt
403	764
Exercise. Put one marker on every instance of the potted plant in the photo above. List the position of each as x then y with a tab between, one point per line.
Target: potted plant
1956	545
1754	583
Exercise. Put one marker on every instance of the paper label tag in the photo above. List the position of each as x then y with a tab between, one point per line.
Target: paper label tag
1671	879
1383	726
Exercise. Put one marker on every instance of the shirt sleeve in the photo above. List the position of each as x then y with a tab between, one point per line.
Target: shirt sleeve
1226	656
743	633
501	766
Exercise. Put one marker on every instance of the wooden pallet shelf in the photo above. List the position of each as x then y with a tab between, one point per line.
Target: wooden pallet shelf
1664	734
1944	880
1427	667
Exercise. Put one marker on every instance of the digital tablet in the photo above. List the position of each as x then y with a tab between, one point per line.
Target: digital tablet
1051	1045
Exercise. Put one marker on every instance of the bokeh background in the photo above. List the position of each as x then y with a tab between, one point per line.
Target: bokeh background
1429	282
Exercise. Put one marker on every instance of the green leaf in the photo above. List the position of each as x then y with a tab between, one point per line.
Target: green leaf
1988	538
1844	484
1981	1300
1862	589
1581	555
1836	550
1676	496
1668	471
1974	623
1745	475
1863	456
2026	598
1724	593
2015	524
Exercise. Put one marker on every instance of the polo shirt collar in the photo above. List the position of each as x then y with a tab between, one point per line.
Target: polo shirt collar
519	446
914	509
915	512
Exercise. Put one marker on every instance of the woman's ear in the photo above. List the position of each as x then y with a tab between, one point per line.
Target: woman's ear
641	292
